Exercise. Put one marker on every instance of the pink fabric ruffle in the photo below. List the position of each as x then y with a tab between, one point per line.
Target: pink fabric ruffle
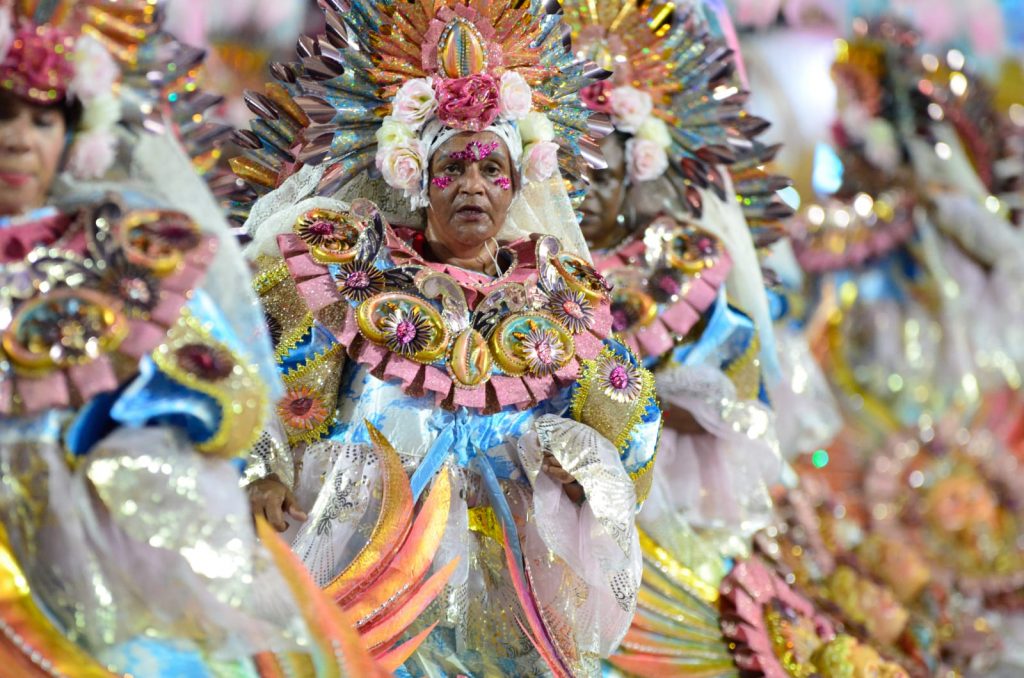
72	386
677	318
318	290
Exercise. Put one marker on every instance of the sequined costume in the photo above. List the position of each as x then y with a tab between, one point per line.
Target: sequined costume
478	376
130	392
913	258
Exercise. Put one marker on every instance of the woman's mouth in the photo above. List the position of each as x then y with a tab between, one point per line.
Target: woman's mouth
15	179
471	213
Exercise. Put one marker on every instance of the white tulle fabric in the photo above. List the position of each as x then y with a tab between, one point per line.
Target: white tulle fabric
806	412
145	538
716	480
745	284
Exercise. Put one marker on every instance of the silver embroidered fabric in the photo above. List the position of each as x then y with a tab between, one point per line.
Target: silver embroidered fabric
145	538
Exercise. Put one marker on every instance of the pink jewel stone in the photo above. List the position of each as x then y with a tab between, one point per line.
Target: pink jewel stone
620	319
504	183
441	182
357	280
705	246
668	285
618	378
572	309
405	332
321	227
300	407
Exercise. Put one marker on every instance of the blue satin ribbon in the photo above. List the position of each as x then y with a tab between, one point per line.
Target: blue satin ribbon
726	337
461	436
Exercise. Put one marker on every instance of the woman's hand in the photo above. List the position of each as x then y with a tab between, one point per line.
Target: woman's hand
273	500
572	489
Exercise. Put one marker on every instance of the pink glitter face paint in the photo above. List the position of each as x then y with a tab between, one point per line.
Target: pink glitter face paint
475	151
504	183
441	182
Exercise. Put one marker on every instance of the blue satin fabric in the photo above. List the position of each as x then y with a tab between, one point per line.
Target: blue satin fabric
153	398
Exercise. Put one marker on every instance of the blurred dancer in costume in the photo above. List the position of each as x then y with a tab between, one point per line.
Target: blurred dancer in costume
134	369
476	341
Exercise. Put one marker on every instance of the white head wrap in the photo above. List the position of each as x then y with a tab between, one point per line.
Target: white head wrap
435	134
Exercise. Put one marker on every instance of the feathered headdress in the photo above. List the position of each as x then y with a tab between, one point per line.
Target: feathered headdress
389	80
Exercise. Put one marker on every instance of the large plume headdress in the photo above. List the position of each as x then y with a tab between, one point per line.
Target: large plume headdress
674	93
368	94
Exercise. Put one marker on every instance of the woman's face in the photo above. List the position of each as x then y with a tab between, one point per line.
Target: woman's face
607	193
31	145
472	183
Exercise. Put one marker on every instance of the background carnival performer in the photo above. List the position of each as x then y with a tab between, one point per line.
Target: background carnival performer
129	391
659	218
478	344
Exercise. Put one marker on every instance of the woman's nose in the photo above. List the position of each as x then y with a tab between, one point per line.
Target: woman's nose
473	180
15	134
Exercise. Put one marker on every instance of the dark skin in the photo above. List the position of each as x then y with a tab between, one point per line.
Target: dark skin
468	206
606	198
469	199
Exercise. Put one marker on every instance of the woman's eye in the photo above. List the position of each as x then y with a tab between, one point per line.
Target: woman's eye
451	169
45	121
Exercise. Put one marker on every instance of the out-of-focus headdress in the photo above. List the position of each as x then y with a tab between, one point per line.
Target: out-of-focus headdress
112	58
674	93
390	81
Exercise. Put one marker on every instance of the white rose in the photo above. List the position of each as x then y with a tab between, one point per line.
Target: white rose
103	112
516	96
540	161
536	127
414	103
880	146
392	132
647	159
95	70
654	129
402	164
630	107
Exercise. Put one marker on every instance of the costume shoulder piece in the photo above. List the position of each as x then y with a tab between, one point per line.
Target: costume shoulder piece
663	282
78	313
470	340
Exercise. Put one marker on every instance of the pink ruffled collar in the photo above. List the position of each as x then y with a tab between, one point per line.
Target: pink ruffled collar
492	357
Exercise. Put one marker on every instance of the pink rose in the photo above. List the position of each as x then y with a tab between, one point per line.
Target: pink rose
647	159
470	103
630	107
92	155
402	165
414	103
540	161
595	97
516	96
33	62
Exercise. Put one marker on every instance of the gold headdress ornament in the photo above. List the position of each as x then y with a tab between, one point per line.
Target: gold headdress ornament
500	62
673	85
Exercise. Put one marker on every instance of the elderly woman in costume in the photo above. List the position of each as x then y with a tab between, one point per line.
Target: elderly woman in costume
669	247
128	391
476	345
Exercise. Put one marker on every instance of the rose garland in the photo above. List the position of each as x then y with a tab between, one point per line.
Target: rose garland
471	103
42	59
632	112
